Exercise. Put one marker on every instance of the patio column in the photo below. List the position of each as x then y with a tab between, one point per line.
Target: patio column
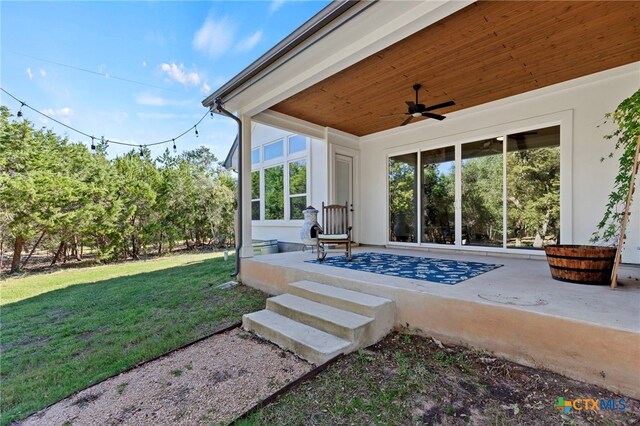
245	168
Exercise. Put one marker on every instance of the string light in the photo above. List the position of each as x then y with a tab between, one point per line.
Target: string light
109	141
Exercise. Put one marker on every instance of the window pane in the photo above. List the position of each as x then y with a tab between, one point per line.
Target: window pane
438	195
533	188
273	150
274	193
297	143
402	197
255	184
298	177
482	222
255	210
255	156
296	205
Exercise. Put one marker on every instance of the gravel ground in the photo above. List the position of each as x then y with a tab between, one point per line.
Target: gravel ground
210	382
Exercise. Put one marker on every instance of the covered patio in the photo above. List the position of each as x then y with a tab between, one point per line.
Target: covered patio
512	69
518	311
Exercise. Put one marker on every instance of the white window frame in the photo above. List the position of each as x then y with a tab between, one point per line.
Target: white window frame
283	161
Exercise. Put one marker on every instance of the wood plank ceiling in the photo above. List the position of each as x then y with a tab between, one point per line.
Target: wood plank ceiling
487	51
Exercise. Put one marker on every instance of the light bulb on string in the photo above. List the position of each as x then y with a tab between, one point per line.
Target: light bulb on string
104	143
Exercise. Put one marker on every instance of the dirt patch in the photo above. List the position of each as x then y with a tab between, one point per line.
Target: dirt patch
210	382
416	380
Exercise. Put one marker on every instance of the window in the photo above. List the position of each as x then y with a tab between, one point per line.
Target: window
297	143
255	195
274	193
273	150
279	179
507	190
402	198
297	188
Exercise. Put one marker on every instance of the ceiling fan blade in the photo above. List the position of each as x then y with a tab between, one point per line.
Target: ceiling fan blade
442	105
405	122
432	115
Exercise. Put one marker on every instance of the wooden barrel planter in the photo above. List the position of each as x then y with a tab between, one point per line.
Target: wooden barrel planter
581	264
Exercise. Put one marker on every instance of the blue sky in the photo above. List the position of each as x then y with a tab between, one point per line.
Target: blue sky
136	71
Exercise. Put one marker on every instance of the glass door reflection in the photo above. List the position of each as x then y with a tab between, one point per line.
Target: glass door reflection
438	195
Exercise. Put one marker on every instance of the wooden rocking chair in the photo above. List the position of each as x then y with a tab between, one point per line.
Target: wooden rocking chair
335	229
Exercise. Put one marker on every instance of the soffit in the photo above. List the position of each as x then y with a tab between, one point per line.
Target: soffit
487	51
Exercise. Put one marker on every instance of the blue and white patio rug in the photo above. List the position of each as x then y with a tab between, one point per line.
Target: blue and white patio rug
441	271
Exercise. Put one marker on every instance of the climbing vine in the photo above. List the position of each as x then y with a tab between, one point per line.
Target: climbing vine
627	119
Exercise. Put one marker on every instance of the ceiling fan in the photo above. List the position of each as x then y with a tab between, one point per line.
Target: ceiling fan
420	110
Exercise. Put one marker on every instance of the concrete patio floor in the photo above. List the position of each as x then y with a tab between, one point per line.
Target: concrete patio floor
518	311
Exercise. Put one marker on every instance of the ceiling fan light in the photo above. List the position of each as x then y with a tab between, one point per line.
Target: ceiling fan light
417	114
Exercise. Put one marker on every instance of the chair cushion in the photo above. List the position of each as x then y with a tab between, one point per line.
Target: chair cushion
333	236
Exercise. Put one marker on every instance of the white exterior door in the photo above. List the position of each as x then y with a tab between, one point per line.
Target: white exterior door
343	183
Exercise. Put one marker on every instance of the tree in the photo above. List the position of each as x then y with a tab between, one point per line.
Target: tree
57	193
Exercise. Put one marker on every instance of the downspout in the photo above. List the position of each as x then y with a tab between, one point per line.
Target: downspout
221	110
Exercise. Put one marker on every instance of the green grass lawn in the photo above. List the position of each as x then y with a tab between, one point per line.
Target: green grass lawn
62	332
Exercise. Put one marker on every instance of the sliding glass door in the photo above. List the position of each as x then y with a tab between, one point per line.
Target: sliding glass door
438	181
482	193
533	188
403	198
505	192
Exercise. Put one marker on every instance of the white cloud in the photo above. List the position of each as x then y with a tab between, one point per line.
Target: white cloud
62	112
144	63
205	89
180	74
29	74
43	72
152	100
214	37
249	42
275	5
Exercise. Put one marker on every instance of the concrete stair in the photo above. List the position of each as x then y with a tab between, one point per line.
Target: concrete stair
318	321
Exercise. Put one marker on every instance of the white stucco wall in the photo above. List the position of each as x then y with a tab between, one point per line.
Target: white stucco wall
579	105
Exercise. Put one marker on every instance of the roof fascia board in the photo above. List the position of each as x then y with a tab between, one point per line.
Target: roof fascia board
379	26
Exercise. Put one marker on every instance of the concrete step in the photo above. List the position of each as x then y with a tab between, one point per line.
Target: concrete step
354	301
307	342
341	323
